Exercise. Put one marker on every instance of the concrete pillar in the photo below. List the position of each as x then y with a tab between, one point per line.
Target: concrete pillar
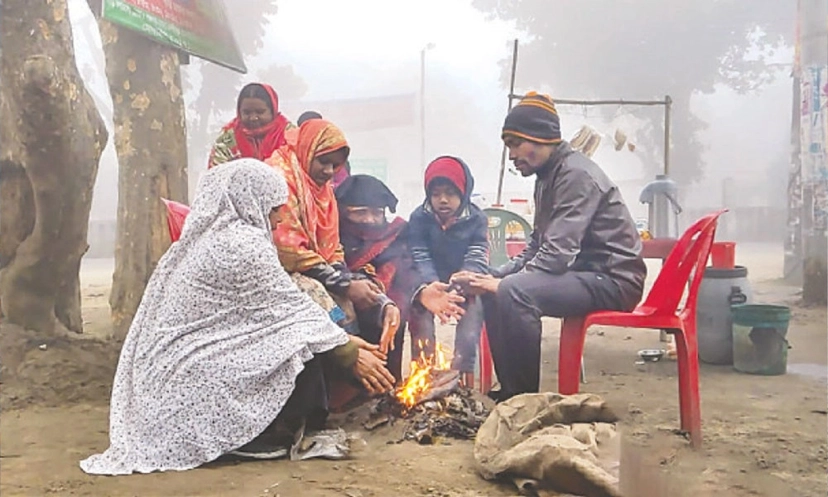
813	18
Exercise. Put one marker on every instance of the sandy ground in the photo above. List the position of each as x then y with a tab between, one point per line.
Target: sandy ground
763	436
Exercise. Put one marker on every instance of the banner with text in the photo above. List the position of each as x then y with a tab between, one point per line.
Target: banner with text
814	138
197	27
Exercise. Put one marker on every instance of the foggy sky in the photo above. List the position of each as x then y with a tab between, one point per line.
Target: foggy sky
365	48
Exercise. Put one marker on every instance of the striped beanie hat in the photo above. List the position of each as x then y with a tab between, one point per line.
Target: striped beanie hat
534	119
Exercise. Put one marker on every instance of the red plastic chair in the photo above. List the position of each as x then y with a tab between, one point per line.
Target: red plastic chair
659	310
486	364
176	214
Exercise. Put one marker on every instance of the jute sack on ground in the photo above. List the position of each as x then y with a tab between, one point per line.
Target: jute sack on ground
550	441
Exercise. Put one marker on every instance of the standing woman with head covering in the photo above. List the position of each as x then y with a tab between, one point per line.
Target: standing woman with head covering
308	238
257	130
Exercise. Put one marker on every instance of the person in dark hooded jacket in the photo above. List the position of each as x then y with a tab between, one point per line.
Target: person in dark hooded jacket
448	235
376	249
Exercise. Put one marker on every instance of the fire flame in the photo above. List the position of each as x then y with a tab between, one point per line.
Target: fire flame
419	378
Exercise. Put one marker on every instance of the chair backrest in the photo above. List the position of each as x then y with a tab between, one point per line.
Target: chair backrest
684	264
176	214
499	221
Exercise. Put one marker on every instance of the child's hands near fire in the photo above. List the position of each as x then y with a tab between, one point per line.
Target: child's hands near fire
441	302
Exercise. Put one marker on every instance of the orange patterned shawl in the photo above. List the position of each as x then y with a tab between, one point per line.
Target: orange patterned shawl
309	232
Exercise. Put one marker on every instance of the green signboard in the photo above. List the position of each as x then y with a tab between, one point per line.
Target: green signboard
198	27
377	168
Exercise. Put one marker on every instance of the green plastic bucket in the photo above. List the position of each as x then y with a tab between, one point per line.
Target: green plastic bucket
759	344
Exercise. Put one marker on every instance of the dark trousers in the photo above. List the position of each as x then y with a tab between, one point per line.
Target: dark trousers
309	399
513	318
308	403
466	337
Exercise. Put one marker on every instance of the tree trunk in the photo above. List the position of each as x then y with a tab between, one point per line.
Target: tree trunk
150	139
52	138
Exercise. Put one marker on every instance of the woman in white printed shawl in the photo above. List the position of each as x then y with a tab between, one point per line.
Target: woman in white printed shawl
222	336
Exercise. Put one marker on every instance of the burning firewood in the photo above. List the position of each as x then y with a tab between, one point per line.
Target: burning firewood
444	383
420	378
432	403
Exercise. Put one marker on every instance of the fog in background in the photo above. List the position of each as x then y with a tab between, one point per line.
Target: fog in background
319	53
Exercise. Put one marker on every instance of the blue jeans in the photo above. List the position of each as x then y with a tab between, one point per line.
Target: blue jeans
466	338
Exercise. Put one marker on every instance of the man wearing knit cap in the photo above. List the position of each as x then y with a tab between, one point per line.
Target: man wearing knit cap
584	253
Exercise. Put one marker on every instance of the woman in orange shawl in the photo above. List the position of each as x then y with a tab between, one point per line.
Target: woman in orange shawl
308	236
292	135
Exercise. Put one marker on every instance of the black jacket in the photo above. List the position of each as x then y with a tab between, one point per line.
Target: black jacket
582	224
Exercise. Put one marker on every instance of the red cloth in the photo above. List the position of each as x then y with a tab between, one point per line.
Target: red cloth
260	143
176	215
448	168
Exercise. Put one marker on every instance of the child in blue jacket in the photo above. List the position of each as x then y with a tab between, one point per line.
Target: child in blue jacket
448	234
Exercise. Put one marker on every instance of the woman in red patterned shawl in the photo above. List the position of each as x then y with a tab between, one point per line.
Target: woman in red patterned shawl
308	236
258	129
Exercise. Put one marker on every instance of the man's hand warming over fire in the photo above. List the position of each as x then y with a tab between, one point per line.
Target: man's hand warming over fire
479	284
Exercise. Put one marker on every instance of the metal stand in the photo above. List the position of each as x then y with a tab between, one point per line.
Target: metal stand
661	197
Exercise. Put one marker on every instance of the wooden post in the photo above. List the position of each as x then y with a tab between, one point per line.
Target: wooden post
668	104
423	161
509	108
422	110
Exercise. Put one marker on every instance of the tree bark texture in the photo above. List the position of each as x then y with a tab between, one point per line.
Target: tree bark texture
151	143
51	139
